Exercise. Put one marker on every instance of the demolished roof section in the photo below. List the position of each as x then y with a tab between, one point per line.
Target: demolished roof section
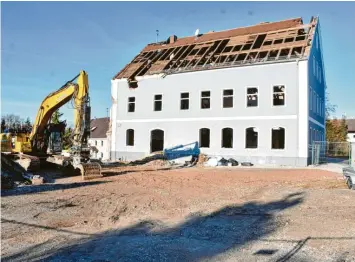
265	42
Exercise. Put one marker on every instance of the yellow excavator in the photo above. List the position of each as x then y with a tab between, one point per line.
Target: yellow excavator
44	141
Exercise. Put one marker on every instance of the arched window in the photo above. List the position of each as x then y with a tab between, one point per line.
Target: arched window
251	138
204	137
278	138
130	137
227	137
156	140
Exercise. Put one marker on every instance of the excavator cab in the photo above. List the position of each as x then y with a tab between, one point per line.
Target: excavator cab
55	137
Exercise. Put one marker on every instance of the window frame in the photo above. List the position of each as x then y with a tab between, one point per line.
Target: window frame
311	98
232	142
272	96
161	100
127	140
274	128
314	101
210	103
246	96
200	140
188	101
245	137
314	65
227	96
134	104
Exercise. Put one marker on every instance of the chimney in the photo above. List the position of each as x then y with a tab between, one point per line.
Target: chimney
172	39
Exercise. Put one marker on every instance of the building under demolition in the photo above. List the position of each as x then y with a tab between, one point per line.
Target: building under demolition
254	93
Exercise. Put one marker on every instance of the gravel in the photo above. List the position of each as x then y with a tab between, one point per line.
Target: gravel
149	213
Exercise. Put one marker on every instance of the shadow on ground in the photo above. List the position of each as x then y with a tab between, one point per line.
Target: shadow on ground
31	189
198	237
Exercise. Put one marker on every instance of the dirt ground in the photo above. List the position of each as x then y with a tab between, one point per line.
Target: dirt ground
190	214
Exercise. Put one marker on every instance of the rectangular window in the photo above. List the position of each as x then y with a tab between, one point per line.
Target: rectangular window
251	137
314	65
279	96
131	104
184	101
130	137
311	98
158	102
102	143
317	104
314	101
204	137
278	138
252	96
95	142
227	98
205	99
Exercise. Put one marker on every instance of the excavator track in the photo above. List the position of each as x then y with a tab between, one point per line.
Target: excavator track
90	170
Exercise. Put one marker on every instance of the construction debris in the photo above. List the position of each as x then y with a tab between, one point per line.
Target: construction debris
261	43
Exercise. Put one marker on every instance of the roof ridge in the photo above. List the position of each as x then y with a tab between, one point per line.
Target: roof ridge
261	23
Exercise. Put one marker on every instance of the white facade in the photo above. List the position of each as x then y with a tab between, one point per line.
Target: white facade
351	137
183	126
102	147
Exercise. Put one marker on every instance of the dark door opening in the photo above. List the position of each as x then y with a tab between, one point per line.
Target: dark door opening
156	140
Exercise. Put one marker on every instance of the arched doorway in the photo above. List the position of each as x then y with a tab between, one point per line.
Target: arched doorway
156	140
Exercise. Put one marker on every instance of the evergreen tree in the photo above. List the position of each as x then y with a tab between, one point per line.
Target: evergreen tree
67	142
3	125
28	125
56	117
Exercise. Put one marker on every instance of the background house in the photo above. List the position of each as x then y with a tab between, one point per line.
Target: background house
351	129
254	93
98	138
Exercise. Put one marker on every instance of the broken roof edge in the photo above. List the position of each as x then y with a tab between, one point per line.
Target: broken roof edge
221	67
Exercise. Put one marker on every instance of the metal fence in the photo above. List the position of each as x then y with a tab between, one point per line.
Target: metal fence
331	152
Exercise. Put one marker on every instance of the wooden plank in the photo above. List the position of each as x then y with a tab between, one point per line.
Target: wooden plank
157	66
214	51
204	54
177	60
268	48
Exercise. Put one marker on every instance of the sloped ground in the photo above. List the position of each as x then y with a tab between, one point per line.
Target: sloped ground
148	213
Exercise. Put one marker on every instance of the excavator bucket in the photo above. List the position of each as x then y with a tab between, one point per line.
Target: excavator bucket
90	170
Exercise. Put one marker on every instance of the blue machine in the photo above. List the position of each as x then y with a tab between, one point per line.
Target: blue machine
179	151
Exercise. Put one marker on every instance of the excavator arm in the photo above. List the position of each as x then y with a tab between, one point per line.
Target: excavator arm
47	108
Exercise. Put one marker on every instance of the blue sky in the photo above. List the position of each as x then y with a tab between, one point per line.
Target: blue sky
44	44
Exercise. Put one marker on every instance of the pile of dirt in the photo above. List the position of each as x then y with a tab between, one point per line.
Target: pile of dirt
158	163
